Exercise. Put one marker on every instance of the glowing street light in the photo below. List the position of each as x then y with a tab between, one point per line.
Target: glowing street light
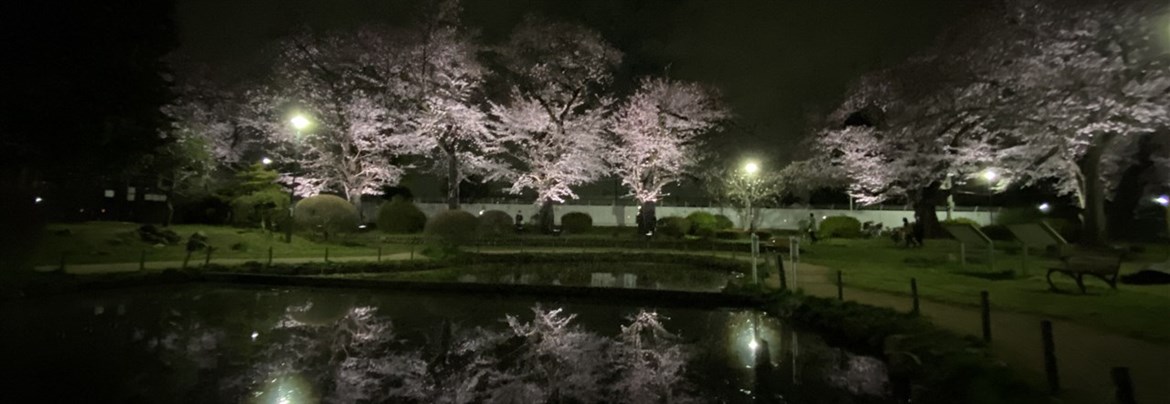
753	345
1163	200
1044	207
300	122
751	168
266	161
990	175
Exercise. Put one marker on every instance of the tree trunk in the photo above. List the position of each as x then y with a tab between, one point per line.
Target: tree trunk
1120	212
453	181
355	199
925	208
546	218
1094	213
647	219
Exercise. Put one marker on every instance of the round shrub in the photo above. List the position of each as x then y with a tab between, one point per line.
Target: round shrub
722	222
728	234
260	209
495	224
840	227
452	228
673	226
576	223
327	214
702	224
400	215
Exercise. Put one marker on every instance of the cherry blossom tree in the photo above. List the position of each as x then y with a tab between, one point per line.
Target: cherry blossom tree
657	138
343	89
446	80
557	110
903	132
1090	75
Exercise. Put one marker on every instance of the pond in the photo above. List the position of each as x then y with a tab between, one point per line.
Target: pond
630	275
219	343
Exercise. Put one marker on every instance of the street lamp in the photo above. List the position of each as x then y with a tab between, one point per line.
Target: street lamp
299	122
1163	200
266	161
990	176
749	170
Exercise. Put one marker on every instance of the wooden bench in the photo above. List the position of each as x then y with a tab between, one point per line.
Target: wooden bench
1077	266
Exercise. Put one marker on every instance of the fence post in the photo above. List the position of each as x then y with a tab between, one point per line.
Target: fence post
840	287
269	256
379	253
186	259
326	254
1050	357
142	261
207	259
61	266
986	315
780	271
1123	385
914	295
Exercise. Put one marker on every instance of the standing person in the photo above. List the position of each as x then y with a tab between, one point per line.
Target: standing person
919	230
812	228
907	232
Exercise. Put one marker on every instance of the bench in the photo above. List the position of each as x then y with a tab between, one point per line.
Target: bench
1077	266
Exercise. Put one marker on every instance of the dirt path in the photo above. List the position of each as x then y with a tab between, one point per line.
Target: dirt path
1085	355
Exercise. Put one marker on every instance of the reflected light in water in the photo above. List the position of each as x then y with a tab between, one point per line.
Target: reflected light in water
289	389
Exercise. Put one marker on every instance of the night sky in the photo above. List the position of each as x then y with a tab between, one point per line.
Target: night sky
779	63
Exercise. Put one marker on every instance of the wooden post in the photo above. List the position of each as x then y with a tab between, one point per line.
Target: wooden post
986	315
962	255
780	271
379	253
840	287
412	251
61	266
269	256
1123	385
186	259
207	259
1050	357
142	261
914	295
326	254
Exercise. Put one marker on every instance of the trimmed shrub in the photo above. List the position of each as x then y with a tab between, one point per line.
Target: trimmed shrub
728	234
451	228
722	222
327	214
673	226
576	223
263	209
840	227
959	220
495	224
702	224
400	215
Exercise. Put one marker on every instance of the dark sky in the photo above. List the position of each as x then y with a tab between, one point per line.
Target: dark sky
777	61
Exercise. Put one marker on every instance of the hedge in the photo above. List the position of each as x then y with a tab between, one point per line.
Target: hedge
673	226
576	223
840	227
452	228
326	213
702	224
495	224
400	215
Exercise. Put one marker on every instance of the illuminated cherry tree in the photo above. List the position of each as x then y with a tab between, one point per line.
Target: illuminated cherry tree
557	111
339	88
446	80
904	132
657	137
1091	76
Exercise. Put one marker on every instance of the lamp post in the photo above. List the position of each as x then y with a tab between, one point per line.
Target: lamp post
299	122
749	171
1164	201
990	176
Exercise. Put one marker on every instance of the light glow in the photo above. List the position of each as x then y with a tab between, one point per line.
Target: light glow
38	200
299	122
753	345
266	161
751	168
1163	200
1044	207
990	175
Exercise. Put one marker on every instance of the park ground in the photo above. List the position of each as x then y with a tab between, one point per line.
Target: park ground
1097	330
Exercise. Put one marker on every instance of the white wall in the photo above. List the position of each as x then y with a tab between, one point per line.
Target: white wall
770	218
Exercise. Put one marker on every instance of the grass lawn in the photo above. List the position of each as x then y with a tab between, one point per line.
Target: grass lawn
1138	311
106	242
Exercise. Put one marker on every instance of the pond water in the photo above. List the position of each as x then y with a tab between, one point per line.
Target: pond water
218	343
632	275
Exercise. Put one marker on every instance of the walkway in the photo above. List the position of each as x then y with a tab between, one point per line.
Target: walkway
1085	355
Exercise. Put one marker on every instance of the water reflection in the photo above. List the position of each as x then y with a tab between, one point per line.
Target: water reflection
269	346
